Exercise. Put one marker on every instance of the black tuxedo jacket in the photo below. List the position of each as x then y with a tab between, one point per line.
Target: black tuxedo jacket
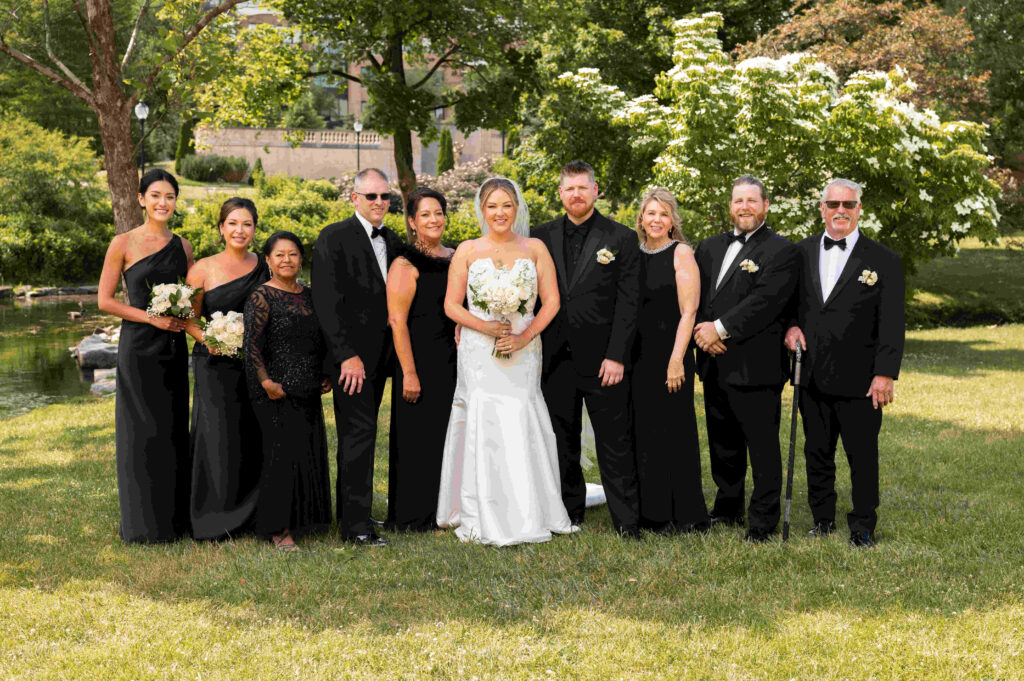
599	305
858	332
752	307
349	294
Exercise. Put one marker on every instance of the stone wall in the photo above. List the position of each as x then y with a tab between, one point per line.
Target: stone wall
331	153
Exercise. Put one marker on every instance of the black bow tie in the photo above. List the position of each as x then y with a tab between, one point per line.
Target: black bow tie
742	238
375	232
829	243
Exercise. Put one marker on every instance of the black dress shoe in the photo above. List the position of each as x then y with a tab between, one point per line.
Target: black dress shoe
368	540
629	532
823	528
758	535
726	521
861	539
576	518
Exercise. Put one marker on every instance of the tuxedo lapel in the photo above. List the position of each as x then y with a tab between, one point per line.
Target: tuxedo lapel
557	235
588	255
814	255
852	268
365	248
748	246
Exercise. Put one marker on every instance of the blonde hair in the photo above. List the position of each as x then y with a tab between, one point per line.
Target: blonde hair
498	183
667	199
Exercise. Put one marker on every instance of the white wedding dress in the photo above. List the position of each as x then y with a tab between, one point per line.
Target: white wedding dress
499	478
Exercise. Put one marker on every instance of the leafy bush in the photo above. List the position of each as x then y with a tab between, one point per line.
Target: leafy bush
55	221
214	168
445	152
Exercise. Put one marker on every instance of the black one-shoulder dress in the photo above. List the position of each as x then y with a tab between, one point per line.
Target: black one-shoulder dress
151	412
418	429
664	423
225	438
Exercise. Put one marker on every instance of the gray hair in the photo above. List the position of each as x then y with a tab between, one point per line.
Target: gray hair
841	182
357	183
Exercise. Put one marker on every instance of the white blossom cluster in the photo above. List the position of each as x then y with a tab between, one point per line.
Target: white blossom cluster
170	300
224	332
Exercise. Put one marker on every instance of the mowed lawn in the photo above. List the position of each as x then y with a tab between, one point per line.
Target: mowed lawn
941	596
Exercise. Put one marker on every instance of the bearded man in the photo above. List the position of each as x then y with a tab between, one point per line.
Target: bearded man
747	278
587	345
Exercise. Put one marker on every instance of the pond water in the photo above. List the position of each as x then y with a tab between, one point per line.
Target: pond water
35	366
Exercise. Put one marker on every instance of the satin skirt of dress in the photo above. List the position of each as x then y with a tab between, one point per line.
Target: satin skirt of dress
151	416
499	476
226	447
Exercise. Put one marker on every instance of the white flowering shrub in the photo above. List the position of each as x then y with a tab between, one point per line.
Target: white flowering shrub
788	122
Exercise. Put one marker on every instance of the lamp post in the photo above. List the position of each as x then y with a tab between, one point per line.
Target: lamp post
141	112
358	127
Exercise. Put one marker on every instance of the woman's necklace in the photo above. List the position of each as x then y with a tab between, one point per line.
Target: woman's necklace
659	249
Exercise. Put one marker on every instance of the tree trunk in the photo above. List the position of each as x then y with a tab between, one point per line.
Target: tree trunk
113	109
402	135
119	159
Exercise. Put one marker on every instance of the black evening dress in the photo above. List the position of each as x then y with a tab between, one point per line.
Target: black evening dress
665	425
418	429
225	438
283	343
151	412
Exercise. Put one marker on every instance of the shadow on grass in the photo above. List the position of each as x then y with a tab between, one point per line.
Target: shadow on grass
946	530
960	358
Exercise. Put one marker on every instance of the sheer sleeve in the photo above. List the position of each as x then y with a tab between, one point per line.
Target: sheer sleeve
256	315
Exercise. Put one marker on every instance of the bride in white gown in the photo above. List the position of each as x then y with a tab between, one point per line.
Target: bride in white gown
499	476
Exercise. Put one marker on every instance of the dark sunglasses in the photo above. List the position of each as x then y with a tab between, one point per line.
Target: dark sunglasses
848	205
372	196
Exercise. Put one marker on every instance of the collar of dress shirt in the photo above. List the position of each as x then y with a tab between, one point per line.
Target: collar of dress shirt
851	239
366	226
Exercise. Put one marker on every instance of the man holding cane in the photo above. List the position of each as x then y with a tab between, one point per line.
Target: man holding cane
850	323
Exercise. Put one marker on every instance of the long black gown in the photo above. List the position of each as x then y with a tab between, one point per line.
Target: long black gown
224	439
283	342
665	425
416	443
151	412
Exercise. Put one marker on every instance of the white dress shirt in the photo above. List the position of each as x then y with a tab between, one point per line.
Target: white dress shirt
380	249
832	261
730	255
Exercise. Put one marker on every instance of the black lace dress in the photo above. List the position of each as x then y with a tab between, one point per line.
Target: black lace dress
283	343
665	425
151	412
224	438
416	442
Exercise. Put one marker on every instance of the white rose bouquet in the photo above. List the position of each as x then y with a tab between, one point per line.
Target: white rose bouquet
171	300
223	333
504	293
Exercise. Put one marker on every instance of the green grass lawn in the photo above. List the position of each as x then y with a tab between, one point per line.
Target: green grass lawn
941	596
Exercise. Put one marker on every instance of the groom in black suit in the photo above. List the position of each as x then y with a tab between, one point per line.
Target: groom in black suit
349	270
747	277
850	322
586	346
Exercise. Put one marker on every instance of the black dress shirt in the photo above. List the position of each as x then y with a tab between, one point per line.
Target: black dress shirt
574	236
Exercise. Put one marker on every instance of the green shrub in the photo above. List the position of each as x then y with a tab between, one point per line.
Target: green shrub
186	142
270	186
326	189
214	168
445	152
55	220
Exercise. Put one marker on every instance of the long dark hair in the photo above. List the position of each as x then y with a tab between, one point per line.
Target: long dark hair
157	175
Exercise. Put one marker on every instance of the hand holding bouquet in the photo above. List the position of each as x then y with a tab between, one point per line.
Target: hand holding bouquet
502	294
223	333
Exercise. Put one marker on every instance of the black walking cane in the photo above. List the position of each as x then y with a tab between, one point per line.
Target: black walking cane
792	444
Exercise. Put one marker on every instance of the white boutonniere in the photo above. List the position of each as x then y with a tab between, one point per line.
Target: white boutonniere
868	277
604	256
749	266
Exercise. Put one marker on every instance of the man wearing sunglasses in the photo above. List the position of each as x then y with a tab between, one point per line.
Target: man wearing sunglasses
349	270
850	323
